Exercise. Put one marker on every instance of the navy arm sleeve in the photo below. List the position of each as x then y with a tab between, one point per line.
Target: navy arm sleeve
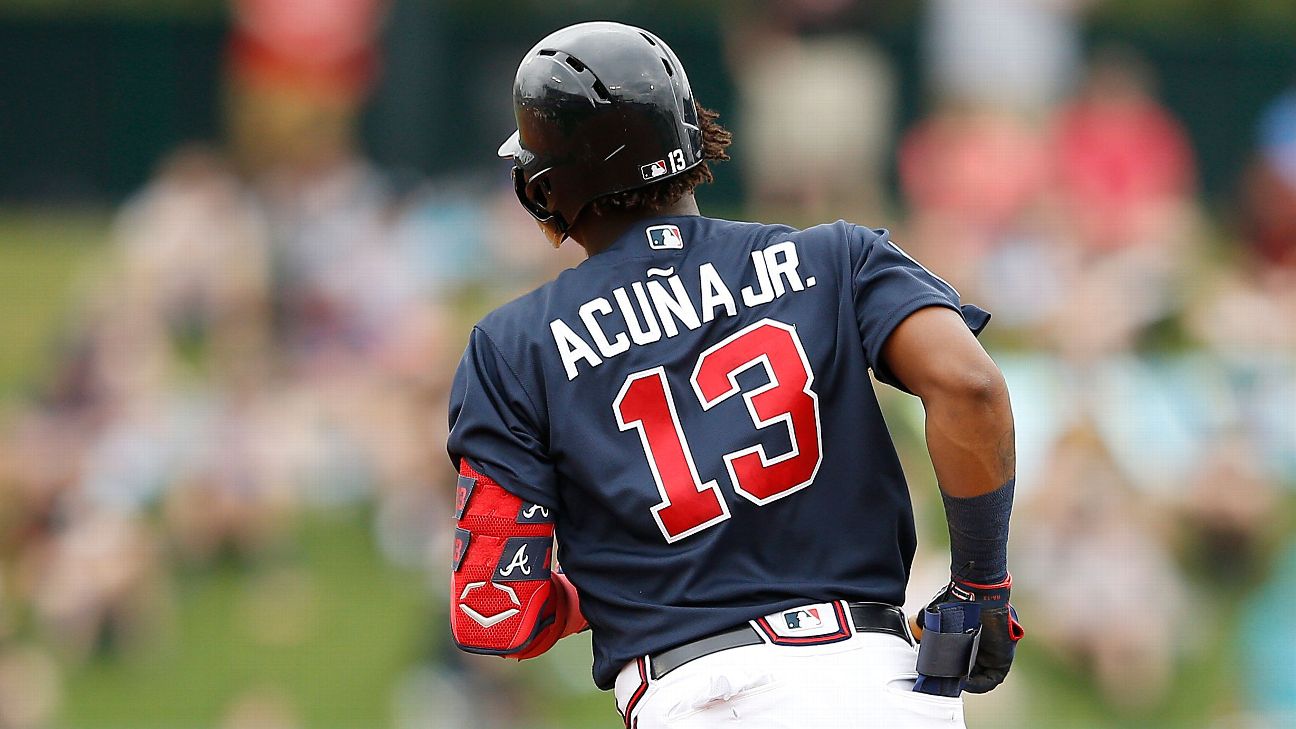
888	285
495	424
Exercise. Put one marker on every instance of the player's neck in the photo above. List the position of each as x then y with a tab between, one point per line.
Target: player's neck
596	232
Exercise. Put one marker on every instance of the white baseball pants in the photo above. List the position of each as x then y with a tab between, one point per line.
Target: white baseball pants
862	682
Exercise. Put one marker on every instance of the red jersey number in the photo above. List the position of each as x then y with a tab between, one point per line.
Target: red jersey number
645	403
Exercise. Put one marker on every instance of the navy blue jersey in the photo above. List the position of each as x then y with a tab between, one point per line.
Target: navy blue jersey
695	405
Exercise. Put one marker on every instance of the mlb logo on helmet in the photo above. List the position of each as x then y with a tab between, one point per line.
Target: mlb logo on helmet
664	237
654	170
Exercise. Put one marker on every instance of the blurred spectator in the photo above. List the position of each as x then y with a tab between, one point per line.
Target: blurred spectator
1269	203
194	257
1125	175
1018	55
1238	316
231	492
1230	512
1267	632
30	692
1244	304
1092	561
817	106
298	72
1126	168
971	177
98	586
328	231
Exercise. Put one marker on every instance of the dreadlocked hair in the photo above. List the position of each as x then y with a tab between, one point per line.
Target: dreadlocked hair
660	195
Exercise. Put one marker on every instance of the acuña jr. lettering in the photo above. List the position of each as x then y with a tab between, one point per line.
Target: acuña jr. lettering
647	311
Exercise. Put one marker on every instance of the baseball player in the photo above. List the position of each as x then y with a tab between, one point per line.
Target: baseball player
689	412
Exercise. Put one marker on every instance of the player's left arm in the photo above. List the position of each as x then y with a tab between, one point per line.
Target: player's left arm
970	437
507	598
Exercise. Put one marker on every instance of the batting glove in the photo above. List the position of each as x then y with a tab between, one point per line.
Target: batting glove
1000	630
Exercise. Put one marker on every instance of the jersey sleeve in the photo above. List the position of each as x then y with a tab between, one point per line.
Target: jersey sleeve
496	426
888	285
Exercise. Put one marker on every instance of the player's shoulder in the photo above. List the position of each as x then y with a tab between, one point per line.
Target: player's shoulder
848	233
836	233
841	241
723	227
512	328
511	325
737	234
855	242
719	228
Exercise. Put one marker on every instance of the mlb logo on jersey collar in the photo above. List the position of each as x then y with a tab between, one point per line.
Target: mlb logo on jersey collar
664	237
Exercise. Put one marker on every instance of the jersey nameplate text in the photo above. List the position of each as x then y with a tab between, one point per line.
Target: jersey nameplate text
648	311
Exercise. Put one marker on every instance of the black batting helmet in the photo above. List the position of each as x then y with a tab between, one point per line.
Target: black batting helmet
601	108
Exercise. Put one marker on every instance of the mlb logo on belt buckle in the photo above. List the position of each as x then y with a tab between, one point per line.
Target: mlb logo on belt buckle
664	237
807	621
803	619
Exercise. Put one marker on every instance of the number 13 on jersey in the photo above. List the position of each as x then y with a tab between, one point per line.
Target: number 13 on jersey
645	403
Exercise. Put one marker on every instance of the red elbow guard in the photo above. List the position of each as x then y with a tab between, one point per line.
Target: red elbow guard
503	601
567	618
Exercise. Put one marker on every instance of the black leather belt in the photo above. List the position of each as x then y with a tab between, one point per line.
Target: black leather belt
868	617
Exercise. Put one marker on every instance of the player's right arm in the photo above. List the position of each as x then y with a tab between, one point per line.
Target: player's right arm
969	416
970	438
919	336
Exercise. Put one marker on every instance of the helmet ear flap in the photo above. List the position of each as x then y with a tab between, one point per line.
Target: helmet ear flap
536	195
540	191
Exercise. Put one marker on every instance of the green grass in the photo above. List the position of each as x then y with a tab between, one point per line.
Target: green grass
359	626
42	256
337	639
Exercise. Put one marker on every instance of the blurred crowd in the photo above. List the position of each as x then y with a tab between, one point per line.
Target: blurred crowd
1150	347
255	348
276	326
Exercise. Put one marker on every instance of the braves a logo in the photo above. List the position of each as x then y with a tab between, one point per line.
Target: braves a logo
520	561
523	559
